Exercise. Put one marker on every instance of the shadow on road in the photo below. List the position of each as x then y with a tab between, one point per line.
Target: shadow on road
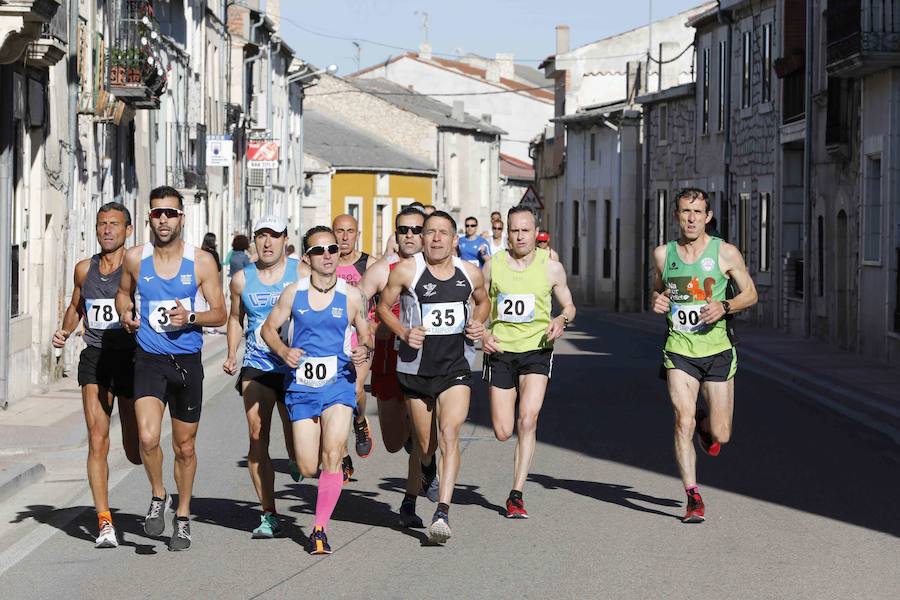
612	493
80	522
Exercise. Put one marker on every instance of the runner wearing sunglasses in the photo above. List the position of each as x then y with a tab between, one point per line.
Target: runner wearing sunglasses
393	415
321	394
473	248
180	292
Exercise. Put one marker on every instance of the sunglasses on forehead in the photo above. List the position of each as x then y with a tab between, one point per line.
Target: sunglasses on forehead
404	229
170	213
320	250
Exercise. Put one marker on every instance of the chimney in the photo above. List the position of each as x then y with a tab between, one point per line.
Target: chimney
562	39
425	51
492	73
459	111
668	73
506	65
635	80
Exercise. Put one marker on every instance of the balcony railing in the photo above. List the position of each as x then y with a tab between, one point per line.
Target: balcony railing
793	96
136	74
863	36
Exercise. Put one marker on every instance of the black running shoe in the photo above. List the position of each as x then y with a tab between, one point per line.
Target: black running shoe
364	443
155	521
318	542
181	536
439	532
408	517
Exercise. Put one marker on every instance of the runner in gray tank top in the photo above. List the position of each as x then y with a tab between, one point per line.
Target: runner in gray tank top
106	365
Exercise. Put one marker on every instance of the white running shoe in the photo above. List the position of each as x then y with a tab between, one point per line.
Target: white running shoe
107	537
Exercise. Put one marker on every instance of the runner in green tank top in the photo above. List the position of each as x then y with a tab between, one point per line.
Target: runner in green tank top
518	347
692	274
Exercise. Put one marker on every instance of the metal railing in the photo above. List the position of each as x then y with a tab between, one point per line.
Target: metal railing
855	26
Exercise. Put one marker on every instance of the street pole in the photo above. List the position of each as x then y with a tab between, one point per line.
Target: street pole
6	198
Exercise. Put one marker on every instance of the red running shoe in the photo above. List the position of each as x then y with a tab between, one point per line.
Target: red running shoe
515	509
695	509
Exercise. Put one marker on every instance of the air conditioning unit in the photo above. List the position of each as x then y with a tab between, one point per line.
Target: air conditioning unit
256	178
258	111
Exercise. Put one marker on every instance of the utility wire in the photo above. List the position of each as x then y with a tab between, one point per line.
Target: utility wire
417	93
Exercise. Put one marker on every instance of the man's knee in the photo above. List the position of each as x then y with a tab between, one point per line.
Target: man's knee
684	424
98	441
528	422
184	450
721	433
149	440
502	432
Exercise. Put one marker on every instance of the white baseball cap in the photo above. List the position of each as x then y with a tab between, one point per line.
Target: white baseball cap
273	222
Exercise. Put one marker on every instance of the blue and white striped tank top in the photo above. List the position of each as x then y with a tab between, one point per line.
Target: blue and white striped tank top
258	299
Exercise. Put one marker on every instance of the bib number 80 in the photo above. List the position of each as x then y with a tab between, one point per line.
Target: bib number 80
316	372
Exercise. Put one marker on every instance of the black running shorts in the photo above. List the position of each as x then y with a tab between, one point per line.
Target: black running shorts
418	386
110	369
718	367
503	369
270	379
176	379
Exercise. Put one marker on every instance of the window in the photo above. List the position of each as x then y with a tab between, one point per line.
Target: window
353	207
744	239
747	52
661	214
663	123
607	240
593	146
453	200
872	211
704	100
485	182
723	83
765	209
576	234
766	60
821	255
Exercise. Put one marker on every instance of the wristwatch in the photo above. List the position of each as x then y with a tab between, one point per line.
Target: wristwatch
565	321
726	306
192	318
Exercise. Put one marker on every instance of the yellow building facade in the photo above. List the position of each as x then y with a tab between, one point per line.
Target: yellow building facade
374	199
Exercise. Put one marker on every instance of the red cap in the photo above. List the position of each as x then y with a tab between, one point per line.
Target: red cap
543	237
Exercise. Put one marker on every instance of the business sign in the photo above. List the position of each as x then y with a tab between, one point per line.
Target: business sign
219	151
262	154
531	199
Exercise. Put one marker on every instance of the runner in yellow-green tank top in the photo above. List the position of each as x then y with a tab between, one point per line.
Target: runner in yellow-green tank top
692	274
518	346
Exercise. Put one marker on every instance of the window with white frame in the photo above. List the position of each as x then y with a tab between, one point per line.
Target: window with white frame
746	65
353	207
766	60
744	236
704	99
662	213
872	209
765	210
723	57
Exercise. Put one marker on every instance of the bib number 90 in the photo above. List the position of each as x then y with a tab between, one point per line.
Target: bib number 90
687	318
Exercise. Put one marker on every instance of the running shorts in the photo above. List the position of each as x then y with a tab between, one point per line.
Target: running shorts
271	379
308	405
718	367
503	369
384	371
110	369
420	386
176	379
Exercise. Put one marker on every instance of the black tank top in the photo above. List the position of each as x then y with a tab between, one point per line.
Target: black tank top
442	307
360	265
102	328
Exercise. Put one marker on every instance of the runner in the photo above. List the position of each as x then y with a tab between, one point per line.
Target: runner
698	351
437	332
254	291
519	346
498	241
392	412
473	248
320	394
106	365
543	242
351	266
175	282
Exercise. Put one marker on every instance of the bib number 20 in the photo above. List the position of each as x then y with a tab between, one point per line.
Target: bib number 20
515	308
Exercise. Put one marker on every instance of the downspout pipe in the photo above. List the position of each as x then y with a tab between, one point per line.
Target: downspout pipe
807	175
6	157
725	19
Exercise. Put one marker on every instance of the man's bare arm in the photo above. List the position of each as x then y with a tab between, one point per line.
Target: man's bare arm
131	268
399	278
733	261
73	315
235	325
280	313
211	285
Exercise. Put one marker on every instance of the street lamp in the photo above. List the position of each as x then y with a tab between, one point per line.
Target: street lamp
305	74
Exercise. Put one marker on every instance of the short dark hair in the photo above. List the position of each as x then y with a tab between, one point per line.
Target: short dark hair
409	211
520	209
165	191
443	215
692	194
472	218
240	242
118	206
313	231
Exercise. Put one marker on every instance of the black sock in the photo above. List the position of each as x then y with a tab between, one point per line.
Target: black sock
183	518
429	470
443	508
157	499
409	498
515	495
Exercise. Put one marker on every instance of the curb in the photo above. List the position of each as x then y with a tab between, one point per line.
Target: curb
865	410
17	476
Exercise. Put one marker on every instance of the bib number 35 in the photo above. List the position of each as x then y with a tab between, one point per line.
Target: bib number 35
444	318
159	315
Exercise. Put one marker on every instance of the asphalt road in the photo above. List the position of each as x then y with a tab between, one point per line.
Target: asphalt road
799	505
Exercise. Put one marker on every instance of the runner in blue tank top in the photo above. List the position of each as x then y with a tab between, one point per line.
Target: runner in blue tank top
254	291
321	393
177	292
471	247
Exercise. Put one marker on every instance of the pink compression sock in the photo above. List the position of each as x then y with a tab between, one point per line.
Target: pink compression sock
330	485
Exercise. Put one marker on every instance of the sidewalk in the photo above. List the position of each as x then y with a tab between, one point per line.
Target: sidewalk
31	430
852	386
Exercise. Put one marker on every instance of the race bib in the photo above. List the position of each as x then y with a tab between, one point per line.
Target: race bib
444	318
101	314
316	372
515	308
283	333
686	318
159	315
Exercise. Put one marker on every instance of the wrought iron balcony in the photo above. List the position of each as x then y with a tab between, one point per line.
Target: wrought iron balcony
186	143
136	75
863	36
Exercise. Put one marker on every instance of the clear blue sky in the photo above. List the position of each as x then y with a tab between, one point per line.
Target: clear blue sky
523	27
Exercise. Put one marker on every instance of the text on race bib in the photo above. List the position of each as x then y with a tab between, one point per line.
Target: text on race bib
283	333
159	314
316	372
101	314
444	318
515	308
686	318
